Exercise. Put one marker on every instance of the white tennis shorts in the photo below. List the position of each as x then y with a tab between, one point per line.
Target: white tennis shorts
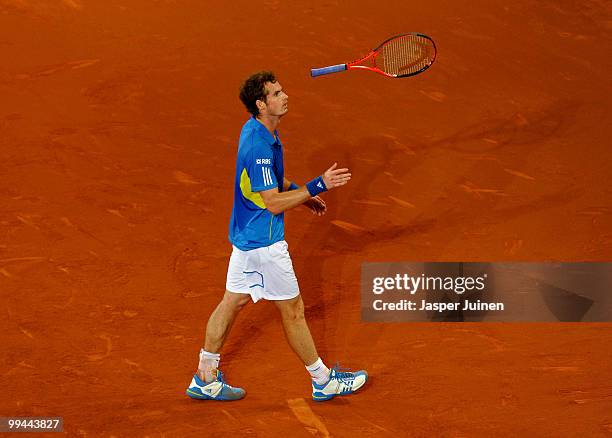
263	273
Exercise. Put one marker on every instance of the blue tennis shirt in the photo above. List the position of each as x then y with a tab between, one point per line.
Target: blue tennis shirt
259	167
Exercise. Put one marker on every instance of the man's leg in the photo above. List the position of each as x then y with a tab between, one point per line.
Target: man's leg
296	329
217	329
207	383
222	318
326	384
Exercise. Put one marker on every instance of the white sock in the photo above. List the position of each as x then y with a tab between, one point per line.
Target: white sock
318	371
209	362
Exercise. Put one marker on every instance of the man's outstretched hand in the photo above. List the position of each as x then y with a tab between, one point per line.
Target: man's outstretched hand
336	177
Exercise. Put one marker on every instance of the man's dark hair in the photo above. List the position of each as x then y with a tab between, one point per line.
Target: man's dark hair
254	89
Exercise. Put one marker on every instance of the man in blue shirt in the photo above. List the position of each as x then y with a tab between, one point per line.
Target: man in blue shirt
260	266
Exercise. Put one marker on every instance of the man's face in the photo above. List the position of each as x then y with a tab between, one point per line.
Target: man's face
276	100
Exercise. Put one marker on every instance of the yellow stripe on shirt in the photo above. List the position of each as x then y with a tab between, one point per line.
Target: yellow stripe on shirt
245	188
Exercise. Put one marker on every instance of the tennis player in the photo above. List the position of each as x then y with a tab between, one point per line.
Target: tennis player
260	266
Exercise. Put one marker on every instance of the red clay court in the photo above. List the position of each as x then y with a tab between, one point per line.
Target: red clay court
119	122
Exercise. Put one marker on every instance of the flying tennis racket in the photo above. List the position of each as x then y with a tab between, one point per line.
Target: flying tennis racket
400	56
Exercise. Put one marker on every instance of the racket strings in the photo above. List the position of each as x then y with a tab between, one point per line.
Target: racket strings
405	55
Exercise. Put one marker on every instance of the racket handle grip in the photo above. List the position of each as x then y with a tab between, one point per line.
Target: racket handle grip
314	72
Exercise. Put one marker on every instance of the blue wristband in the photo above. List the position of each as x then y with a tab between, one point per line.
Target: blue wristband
316	186
293	186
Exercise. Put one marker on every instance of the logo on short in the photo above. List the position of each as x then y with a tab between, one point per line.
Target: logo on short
263	161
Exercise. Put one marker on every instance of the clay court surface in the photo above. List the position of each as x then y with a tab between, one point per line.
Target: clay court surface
119	123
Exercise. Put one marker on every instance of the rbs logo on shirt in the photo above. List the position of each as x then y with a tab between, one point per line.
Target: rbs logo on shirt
263	161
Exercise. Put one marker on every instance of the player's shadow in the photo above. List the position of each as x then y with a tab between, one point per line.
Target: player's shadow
520	130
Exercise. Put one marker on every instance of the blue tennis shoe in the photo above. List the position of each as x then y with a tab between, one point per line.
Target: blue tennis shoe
339	383
215	390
